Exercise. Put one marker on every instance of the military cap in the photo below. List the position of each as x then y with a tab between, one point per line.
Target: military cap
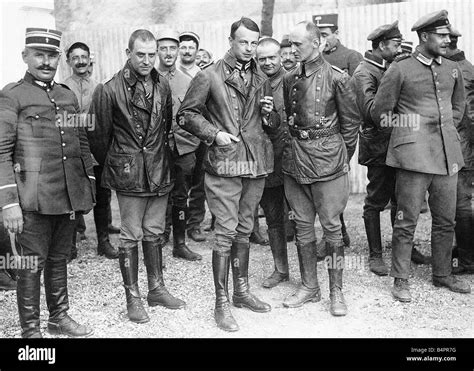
325	20
407	46
385	32
454	32
285	41
190	34
43	38
436	22
167	33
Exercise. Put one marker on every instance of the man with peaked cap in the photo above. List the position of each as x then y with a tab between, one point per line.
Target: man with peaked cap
463	255
323	123
80	82
46	180
227	106
422	98
188	47
133	118
373	142
334	52
288	59
182	143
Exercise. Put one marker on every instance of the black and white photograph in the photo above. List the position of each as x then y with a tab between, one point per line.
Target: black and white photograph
219	177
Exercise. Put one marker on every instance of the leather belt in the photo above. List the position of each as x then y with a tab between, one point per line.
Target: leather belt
312	133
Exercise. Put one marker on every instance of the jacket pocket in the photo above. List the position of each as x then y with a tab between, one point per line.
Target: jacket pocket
223	159
400	140
26	175
122	171
39	118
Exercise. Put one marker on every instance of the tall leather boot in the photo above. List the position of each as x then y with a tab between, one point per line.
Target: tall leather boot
374	239
57	299
308	290
242	297
104	247
464	231
222	313
73	252
28	299
338	305
180	250
277	237
157	292
128	260
345	236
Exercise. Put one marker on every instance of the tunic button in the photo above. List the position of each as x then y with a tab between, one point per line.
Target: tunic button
140	137
294	114
57	108
317	100
62	132
316	113
64	158
318	88
236	107
319	76
36	117
52	100
138	126
144	148
129	89
64	144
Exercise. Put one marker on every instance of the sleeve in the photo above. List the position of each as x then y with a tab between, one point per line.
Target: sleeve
353	61
388	93
8	135
190	115
458	99
272	121
101	110
349	117
365	87
85	149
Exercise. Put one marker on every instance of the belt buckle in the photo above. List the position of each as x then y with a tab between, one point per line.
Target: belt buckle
304	134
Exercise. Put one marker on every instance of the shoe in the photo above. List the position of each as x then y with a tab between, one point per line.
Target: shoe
6	282
67	326
377	266
242	297
453	283
182	251
113	229
106	249
321	252
401	290
418	258
275	279
460	269
196	235
257	238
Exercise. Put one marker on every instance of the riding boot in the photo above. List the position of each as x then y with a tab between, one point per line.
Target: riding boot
157	292
222	313
338	305
308	290
28	299
464	237
128	260
104	247
374	239
277	237
180	250
242	297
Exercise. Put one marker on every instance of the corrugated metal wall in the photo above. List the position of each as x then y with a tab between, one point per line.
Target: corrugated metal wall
355	24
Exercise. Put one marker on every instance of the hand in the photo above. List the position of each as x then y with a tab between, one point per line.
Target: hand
267	105
225	138
13	219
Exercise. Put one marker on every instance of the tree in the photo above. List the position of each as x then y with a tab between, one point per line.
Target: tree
268	7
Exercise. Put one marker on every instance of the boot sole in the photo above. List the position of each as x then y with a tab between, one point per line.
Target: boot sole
154	304
449	288
56	332
145	320
188	259
403	300
240	305
379	273
338	314
312	300
107	256
272	286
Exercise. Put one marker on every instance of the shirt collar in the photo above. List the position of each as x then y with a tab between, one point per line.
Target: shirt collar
376	61
42	84
425	60
235	64
131	76
312	66
80	78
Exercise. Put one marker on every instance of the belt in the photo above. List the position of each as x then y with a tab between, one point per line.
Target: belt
311	133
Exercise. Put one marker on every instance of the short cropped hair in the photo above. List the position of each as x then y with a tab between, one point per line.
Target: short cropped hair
247	23
268	41
312	30
143	35
77	45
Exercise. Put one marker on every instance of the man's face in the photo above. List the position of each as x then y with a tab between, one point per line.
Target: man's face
329	37
268	58
453	44
167	52
244	43
142	57
287	58
79	61
303	47
42	63
391	48
187	51
202	58
437	44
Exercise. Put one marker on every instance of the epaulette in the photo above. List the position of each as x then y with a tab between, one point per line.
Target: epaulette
64	86
13	85
337	69
402	56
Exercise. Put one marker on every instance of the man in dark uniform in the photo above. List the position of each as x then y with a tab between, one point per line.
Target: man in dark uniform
463	255
373	143
273	198
133	118
323	122
80	82
345	59
422	98
46	180
226	106
182	143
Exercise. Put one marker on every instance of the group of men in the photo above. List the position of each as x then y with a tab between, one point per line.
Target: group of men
271	124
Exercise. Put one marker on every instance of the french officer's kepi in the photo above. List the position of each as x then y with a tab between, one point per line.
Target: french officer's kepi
325	20
167	33
385	32
436	22
43	38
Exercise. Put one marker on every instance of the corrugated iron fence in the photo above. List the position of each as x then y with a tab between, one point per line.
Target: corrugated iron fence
355	24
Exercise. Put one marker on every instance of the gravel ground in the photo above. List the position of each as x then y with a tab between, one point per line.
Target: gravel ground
97	296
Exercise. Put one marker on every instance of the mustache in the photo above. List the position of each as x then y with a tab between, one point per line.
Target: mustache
46	68
187	55
80	65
